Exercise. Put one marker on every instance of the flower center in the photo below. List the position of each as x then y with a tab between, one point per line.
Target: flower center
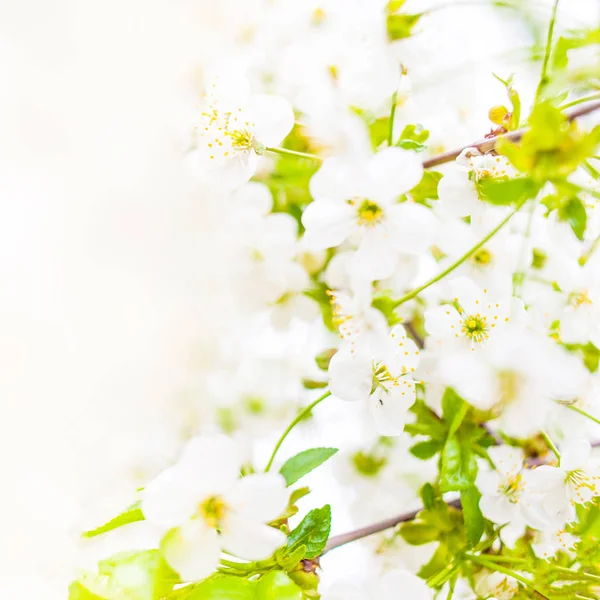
482	257
213	510
512	487
578	299
369	214
579	479
241	139
475	327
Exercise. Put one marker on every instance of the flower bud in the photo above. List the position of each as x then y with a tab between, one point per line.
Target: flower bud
497	114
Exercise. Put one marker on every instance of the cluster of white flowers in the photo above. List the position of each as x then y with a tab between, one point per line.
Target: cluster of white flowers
354	269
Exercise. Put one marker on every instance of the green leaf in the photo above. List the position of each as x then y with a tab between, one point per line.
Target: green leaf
143	575
277	586
474	521
427	422
427	188
415	133
78	592
454	410
548	124
504	192
222	587
441	558
131	515
417	534
573	211
312	532
427	449
459	465
303	463
400	26
427	495
378	131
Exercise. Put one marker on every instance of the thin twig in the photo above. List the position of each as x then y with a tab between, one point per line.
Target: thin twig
339	540
488	144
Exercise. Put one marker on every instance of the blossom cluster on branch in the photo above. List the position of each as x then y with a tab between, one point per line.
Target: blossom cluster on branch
455	311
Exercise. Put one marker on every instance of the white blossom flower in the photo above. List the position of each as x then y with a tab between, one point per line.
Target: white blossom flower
357	201
477	318
208	508
457	190
381	375
233	130
575	481
496	585
503	487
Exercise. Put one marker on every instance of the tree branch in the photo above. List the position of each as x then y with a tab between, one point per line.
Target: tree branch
351	536
339	540
488	144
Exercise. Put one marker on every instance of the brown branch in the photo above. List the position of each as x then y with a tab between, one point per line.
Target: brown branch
414	334
339	540
488	144
351	536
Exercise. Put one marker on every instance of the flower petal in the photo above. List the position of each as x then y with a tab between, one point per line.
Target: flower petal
248	539
390	409
192	550
169	500
350	375
395	171
261	497
273	118
327	224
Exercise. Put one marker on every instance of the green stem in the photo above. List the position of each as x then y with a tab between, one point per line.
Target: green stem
287	152
461	260
580	101
301	415
575	574
582	412
453	581
544	75
391	123
587	255
520	274
551	444
507	559
479	560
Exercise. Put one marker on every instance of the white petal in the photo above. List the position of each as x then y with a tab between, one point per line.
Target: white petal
390	409
470	296
169	500
227	174
497	508
337	179
399	353
442	321
327	223
458	195
261	497
575	455
395	171
273	118
247	539
412	226
350	375
546	479
193	550
376	256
